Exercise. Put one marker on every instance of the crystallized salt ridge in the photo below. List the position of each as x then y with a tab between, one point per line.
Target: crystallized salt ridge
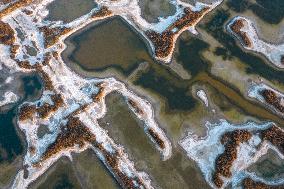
205	150
272	52
8	98
202	95
254	92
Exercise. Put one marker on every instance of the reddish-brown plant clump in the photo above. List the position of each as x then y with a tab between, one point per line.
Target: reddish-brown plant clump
6	34
27	12
24	64
46	109
236	27
47	81
272	98
156	137
136	107
6	1
98	96
26	112
112	162
72	134
55	54
163	42
275	135
248	183
224	162
52	35
188	19
13	6
46	59
14	49
104	11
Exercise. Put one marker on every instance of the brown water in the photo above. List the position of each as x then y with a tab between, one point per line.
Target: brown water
237	99
68	10
113	43
60	175
177	172
110	43
92	172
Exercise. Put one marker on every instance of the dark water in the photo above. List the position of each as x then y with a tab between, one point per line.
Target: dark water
255	64
271	11
10	143
190	55
168	86
111	43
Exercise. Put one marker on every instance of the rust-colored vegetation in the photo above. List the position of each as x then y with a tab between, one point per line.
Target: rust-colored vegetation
46	59
98	97
137	109
72	134
76	133
104	11
164	42
14	49
273	99
248	183
52	35
275	135
47	81
6	34
236	27
157	138
224	162
112	161
13	6
188	19
26	112
46	109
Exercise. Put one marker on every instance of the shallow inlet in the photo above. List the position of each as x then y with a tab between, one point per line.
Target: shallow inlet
110	43
152	10
68	10
10	143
